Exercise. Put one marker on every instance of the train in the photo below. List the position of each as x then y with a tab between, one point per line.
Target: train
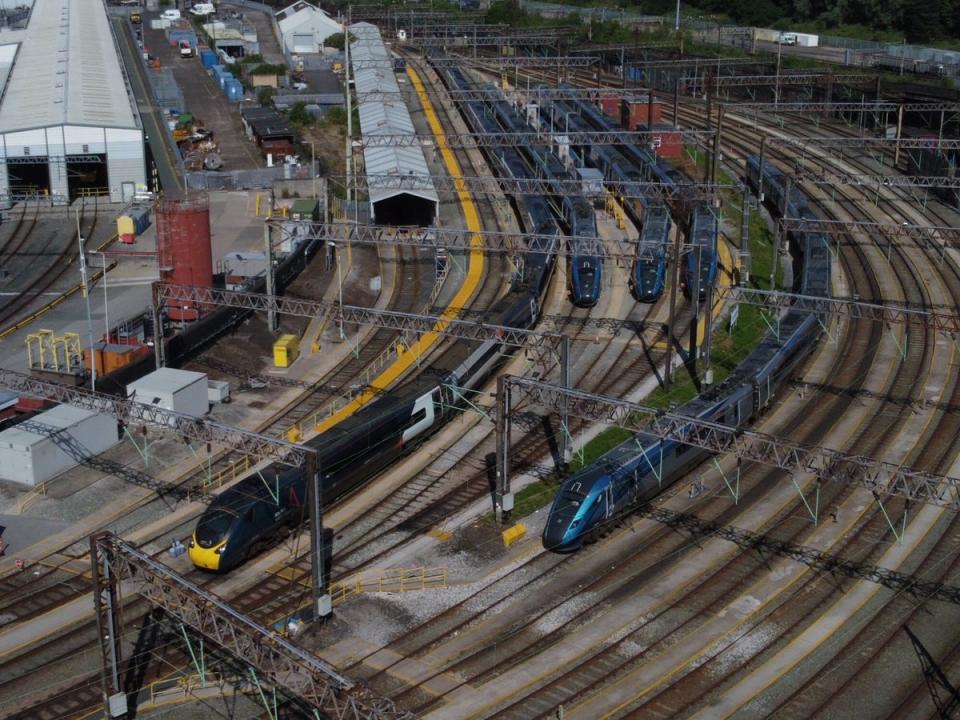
700	266
586	262
244	519
902	65
592	499
649	273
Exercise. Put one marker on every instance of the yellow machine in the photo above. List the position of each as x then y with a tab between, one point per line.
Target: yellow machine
286	350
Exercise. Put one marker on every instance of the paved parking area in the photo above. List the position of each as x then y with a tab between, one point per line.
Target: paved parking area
206	101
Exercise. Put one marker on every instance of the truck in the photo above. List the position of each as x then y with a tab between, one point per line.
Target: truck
799	39
186	49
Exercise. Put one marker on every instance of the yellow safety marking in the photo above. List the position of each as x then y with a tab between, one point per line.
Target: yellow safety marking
460	300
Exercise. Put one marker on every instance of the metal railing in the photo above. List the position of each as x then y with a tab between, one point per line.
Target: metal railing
393	580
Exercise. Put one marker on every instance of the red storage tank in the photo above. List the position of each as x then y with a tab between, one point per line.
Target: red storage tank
183	246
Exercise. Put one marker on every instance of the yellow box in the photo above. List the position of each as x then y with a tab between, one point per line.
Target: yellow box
285	350
512	534
125	225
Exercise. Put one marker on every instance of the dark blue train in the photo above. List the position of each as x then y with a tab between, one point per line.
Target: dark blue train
648	279
586	262
640	468
700	266
814	246
244	519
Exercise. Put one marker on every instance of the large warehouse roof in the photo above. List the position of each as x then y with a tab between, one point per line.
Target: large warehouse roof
66	72
384	114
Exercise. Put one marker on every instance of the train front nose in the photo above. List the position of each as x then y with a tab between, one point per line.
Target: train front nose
556	533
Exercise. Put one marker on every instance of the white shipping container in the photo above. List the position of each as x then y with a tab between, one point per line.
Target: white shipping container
182	391
51	442
766	34
807	40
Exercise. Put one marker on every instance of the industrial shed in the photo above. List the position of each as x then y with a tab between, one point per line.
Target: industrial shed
305	27
392	202
67	124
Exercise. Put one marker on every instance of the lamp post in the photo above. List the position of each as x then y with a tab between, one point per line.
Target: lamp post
676	25
336	250
313	168
86	296
106	312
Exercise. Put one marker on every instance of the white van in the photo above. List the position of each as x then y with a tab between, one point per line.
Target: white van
202	9
170	15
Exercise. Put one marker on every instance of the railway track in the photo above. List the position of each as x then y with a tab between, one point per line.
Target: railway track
44	276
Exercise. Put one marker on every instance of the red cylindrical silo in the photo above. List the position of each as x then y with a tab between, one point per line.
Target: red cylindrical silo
183	248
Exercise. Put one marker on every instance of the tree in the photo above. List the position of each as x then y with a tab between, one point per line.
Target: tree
299	115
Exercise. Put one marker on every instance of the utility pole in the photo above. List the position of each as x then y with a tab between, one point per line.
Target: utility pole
268	255
322	603
675	280
346	82
86	297
503	498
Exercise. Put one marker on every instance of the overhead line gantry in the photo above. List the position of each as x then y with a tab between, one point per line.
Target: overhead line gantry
883	479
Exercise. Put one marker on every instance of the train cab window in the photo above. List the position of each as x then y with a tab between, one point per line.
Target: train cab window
214	526
417	417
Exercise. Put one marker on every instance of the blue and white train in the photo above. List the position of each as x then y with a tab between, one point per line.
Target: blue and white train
640	468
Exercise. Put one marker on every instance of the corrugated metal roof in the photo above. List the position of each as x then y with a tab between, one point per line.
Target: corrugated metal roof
67	71
384	115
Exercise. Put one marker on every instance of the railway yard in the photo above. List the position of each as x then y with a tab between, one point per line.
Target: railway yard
623	384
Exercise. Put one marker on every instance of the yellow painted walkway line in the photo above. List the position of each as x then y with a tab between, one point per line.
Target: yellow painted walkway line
472	281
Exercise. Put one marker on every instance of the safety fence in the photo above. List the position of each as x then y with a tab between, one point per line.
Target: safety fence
393	580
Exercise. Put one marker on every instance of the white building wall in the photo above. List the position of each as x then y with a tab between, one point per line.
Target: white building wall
126	163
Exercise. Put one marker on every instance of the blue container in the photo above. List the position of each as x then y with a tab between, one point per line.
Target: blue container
234	90
208	58
223	78
141	218
634	74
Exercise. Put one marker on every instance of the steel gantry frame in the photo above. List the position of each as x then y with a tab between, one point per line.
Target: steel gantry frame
388	319
879	477
520	243
469	40
517	61
510	61
798	79
523	139
824	107
118	566
468	95
630	190
940	321
939	237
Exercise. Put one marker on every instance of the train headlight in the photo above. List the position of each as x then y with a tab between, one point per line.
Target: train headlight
192	543
220	550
